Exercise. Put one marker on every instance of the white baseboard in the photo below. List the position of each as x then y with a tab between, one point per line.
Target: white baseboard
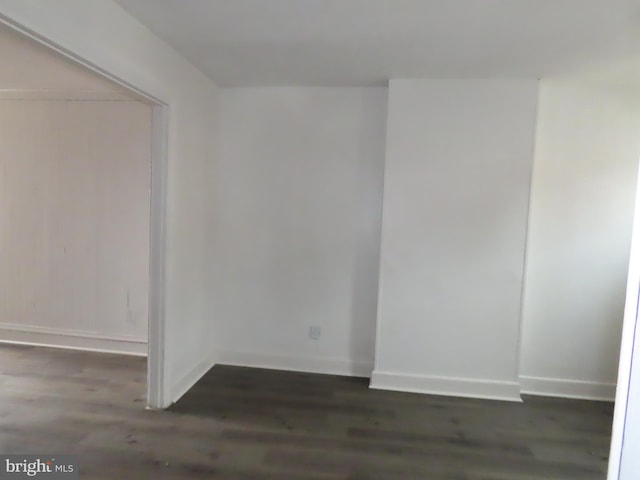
450	386
47	337
189	379
559	387
331	366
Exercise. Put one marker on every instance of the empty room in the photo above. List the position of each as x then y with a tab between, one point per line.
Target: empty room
352	239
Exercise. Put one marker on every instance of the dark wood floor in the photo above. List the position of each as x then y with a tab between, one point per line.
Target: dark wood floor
240	423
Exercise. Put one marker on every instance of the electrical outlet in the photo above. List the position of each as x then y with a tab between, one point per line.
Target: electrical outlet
314	332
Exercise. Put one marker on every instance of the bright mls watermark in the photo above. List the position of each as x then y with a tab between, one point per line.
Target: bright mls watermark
51	467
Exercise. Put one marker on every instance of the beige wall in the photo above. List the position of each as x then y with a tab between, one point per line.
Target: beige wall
74	222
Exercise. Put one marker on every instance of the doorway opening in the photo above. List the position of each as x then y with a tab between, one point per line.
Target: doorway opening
84	162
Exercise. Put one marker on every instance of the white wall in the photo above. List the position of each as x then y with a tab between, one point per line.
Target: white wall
74	223
586	162
457	177
102	33
299	200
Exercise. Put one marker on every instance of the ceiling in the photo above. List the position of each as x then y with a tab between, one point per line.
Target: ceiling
29	67
366	42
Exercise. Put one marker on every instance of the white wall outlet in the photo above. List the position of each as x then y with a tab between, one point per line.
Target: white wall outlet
314	332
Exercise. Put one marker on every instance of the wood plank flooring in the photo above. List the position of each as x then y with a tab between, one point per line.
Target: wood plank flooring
250	424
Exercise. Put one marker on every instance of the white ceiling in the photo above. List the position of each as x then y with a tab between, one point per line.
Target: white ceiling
362	42
27	66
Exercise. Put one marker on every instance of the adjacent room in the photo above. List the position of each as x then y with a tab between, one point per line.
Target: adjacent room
75	157
362	239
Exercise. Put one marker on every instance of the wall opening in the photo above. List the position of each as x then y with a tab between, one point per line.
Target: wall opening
71	90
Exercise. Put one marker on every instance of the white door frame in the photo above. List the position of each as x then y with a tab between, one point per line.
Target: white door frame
629	350
157	394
